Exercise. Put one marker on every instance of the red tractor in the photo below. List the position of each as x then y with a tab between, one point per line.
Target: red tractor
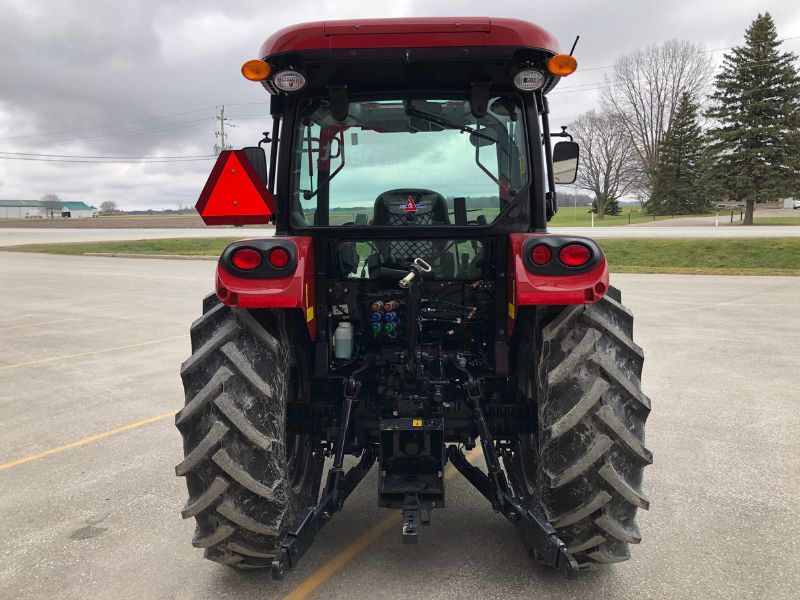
410	305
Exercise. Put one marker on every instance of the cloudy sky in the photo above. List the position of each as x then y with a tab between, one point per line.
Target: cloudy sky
134	78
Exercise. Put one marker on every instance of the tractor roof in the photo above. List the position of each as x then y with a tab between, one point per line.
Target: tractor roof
440	32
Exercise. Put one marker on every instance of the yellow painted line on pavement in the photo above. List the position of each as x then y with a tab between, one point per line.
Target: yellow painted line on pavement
35	324
87	440
91	353
364	541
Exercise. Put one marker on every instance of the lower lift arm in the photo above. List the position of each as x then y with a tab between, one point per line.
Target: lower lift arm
338	487
539	537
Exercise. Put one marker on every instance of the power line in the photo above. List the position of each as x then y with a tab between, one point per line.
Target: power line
120	162
119	157
125	123
63	131
797	37
193	123
588	87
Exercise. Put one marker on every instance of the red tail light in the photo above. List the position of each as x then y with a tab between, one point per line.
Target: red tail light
574	255
278	258
541	255
246	259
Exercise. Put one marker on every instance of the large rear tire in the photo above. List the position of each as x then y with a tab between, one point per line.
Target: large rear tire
585	463
248	475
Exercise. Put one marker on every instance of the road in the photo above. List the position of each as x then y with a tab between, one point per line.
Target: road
724	217
89	345
16	237
19	236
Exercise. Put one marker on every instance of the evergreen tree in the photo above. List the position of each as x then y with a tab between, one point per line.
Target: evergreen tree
678	190
755	142
611	208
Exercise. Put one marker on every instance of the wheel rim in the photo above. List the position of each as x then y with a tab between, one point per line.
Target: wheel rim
297	461
298	446
526	443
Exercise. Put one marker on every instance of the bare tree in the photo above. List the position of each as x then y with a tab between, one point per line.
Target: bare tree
180	206
608	161
51	204
109	207
644	93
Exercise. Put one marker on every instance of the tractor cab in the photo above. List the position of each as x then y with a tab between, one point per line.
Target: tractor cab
453	111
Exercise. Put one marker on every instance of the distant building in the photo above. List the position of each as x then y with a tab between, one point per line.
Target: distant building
77	210
32	209
19	209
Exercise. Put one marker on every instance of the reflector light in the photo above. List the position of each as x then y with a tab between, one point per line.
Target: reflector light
562	65
256	70
541	255
289	81
574	255
246	259
279	258
528	80
234	194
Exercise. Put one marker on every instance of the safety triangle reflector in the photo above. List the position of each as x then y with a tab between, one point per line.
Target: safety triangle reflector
234	193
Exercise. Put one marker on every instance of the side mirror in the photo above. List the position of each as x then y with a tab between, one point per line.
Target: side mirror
565	162
258	158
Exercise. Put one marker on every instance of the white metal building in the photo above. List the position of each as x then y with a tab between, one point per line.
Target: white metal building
77	210
28	209
18	209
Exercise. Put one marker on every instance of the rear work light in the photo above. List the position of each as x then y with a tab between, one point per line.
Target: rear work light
289	81
541	255
528	80
278	258
246	259
574	255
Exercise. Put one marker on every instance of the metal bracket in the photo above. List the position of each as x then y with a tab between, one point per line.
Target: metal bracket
299	539
410	519
340	103
479	98
338	487
539	537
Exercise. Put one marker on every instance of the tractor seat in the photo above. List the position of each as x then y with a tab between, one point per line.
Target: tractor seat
409	207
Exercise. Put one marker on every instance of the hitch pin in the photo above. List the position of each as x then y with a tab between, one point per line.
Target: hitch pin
418	266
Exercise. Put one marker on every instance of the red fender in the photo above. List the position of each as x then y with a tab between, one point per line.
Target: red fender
527	288
293	291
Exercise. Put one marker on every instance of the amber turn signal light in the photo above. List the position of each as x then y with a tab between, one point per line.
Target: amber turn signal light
256	70
561	65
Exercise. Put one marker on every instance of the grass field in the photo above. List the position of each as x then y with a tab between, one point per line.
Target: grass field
756	256
759	256
171	246
774	221
567	216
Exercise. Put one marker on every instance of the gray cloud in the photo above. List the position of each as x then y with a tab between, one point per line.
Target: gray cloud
81	64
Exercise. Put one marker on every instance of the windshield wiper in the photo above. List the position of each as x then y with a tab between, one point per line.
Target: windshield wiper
431	118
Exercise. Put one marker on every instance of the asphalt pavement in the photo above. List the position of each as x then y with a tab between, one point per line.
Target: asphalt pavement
89	505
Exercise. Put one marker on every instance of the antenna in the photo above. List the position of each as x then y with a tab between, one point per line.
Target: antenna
577	37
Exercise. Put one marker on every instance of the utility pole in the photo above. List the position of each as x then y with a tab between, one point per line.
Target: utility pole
221	133
222	126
